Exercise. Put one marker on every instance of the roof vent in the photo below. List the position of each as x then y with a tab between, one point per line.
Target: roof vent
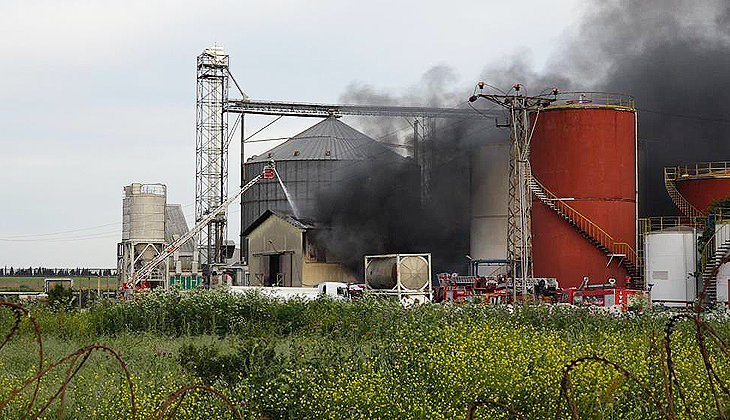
270	155
327	153
296	153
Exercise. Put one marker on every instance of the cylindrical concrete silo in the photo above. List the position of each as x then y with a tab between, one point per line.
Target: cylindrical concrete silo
583	151
489	196
143	213
143	230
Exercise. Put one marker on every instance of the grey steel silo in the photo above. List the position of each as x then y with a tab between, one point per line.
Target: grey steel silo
311	163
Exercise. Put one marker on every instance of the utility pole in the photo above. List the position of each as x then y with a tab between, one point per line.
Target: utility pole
519	224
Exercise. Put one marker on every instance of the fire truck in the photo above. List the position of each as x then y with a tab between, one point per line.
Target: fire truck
607	295
500	289
494	289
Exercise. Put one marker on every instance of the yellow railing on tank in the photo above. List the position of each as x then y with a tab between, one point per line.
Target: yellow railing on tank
698	170
589	227
651	224
722	233
591	99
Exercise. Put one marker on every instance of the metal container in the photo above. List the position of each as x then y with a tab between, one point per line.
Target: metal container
670	263
143	213
584	152
411	272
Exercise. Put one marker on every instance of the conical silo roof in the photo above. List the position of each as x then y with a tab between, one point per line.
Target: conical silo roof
329	139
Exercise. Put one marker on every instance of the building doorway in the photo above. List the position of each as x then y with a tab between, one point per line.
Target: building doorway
274	271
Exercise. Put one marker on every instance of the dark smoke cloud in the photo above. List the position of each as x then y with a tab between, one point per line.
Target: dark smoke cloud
379	210
672	56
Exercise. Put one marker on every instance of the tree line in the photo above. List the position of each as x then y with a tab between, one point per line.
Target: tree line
43	271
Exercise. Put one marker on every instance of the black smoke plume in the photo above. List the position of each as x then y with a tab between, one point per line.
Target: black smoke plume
379	207
672	56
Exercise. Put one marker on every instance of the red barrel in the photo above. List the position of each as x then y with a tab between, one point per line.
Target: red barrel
585	154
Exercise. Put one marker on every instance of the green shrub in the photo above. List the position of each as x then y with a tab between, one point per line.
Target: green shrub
61	298
254	358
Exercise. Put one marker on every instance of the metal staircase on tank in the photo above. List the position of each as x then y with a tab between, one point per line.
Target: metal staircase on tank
621	251
717	249
713	256
670	176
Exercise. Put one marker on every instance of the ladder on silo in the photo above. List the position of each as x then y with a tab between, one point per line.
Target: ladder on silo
620	251
670	176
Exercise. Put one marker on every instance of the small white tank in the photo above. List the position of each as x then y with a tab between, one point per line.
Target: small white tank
670	264
143	213
408	271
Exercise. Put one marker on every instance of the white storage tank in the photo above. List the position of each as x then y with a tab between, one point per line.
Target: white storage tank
489	182
670	263
143	213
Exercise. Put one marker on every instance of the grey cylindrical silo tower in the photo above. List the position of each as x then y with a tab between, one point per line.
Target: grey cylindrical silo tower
311	163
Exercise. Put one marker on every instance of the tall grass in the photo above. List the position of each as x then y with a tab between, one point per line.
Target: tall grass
366	359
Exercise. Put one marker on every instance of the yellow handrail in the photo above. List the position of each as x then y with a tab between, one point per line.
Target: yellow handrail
590	227
711	244
698	170
670	175
591	99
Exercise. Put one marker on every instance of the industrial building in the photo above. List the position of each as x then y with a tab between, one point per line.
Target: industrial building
283	251
313	164
555	198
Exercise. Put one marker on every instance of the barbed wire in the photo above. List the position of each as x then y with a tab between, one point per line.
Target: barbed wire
566	397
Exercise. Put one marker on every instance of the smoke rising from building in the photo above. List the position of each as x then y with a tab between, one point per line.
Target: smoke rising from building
673	59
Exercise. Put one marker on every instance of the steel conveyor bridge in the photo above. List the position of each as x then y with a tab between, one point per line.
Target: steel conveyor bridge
302	109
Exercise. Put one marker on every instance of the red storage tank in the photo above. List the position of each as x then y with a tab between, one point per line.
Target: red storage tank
583	151
700	184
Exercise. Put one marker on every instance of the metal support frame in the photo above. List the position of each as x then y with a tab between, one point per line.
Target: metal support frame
302	109
211	165
519	220
134	255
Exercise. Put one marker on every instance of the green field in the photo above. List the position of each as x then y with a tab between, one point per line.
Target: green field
365	359
35	283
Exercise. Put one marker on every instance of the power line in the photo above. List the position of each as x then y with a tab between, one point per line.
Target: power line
691	117
43	236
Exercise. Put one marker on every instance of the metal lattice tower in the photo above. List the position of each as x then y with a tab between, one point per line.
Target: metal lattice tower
211	149
519	223
519	220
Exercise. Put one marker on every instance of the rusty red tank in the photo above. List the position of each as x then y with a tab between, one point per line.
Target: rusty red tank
699	184
584	152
